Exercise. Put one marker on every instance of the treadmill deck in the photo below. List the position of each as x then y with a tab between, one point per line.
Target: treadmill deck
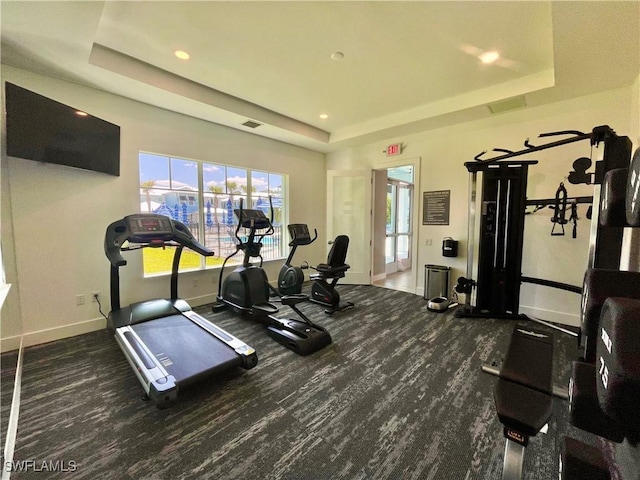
184	349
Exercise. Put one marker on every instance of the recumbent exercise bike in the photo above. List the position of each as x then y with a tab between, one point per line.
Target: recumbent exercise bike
323	291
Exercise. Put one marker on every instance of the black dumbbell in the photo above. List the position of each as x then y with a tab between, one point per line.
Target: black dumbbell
584	408
613	196
633	191
618	363
600	284
579	461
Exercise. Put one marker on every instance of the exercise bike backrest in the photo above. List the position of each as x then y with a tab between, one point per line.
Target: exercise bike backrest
337	255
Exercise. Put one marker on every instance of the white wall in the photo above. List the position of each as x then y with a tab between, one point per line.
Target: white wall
443	153
635	113
10	323
59	214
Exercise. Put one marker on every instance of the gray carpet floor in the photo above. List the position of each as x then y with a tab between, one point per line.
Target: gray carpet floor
8	363
398	395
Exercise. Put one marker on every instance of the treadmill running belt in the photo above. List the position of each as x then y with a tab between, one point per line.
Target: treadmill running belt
185	350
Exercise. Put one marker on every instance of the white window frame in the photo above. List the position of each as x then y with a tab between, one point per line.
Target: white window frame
201	200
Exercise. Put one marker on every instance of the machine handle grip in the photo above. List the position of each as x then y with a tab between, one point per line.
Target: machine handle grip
115	236
186	238
237	232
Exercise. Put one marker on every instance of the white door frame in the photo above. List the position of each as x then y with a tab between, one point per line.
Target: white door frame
415	162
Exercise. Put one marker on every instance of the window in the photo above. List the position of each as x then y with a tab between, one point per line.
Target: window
203	196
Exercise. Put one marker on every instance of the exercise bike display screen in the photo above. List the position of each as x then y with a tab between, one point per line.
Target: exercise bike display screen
299	231
249	218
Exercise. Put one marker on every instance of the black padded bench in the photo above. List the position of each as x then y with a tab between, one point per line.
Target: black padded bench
523	394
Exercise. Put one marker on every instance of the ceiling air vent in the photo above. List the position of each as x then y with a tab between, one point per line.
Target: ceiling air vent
251	124
506	105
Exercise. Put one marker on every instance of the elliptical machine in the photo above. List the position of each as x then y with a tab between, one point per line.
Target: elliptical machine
246	290
290	278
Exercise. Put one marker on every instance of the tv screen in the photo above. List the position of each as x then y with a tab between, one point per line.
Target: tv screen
44	130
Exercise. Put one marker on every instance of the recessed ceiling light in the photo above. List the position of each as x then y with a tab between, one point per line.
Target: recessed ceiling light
81	113
181	54
489	57
337	56
324	116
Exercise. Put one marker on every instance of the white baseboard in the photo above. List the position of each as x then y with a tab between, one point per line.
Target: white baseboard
9	344
561	318
57	333
202	300
378	277
65	331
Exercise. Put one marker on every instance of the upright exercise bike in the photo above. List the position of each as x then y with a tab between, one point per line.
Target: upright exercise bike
246	290
291	278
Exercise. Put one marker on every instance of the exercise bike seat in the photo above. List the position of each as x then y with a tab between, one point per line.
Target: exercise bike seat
328	271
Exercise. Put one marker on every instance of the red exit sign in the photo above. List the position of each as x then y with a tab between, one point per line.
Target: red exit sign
395	149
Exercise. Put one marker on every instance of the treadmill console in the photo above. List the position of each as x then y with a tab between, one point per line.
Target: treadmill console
148	230
150	225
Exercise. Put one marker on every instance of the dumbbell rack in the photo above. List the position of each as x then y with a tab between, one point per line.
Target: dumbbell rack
604	391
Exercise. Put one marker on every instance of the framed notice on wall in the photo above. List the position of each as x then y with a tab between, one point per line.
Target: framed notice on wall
435	209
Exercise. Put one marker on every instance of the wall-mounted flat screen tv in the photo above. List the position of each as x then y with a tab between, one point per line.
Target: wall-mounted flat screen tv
44	130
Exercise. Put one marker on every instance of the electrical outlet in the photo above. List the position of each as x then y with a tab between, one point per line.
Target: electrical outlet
428	242
94	295
79	300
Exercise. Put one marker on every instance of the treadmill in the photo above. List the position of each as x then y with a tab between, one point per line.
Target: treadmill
167	344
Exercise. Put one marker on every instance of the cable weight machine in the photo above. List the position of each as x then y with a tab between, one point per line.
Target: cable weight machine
496	290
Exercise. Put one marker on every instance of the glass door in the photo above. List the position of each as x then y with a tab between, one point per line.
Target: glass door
398	232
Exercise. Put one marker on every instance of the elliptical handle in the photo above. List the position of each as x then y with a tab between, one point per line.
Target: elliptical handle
271	230
271	209
239	223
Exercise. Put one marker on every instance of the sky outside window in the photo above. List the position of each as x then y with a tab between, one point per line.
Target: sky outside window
213	176
260	183
184	173
154	168
275	184
236	180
